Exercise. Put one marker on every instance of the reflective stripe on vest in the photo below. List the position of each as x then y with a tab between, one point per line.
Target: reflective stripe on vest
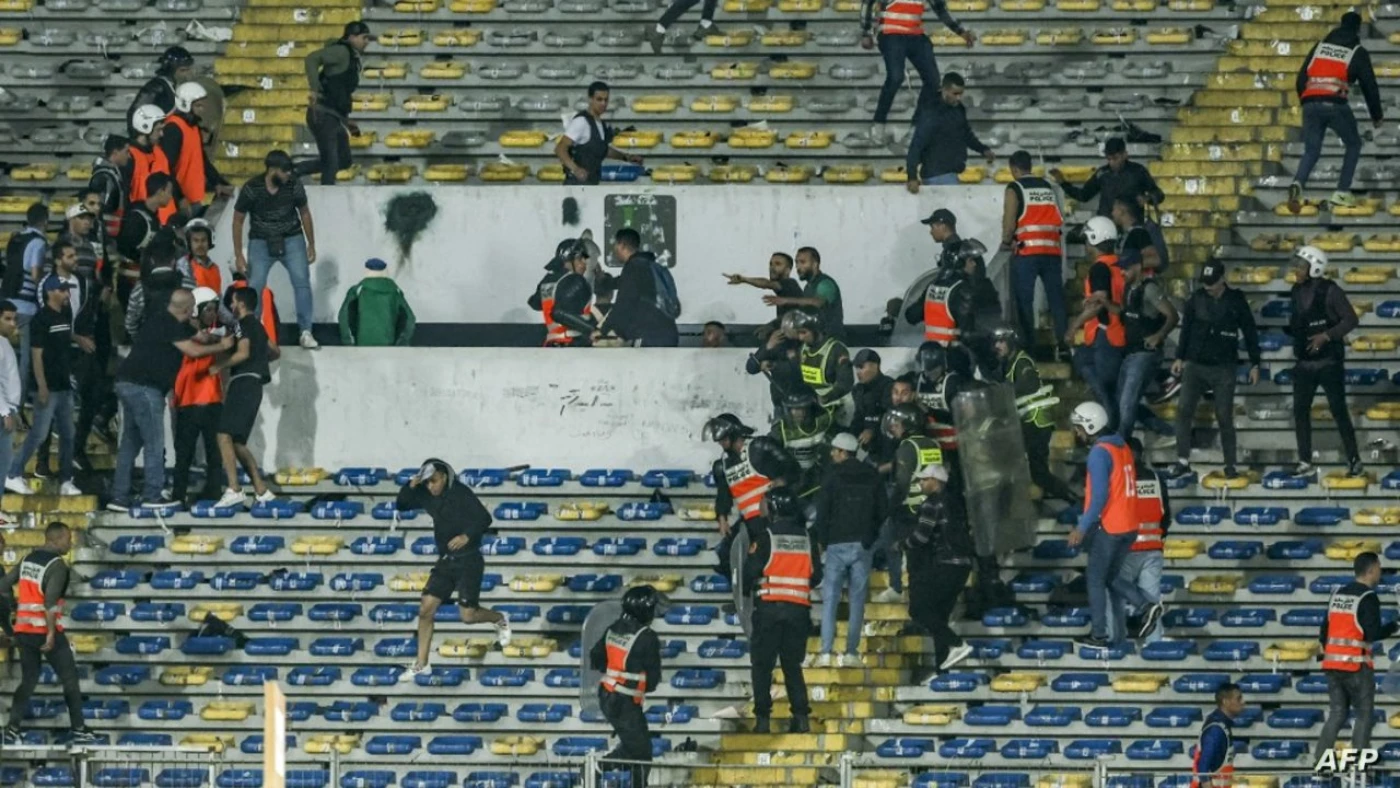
1327	72
1117	335
806	445
143	165
1120	515
926	453
902	18
1150	511
1346	648
617	678
814	369
940	414
746	486
1041	224
787	577
189	170
1033	408
30	618
554	333
939	325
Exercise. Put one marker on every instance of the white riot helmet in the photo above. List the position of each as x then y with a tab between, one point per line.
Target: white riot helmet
1099	230
1090	416
204	295
1315	258
187	94
145	118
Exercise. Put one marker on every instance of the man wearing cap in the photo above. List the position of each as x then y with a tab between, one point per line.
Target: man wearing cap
942	138
851	506
279	230
1322	317
872	396
1207	357
332	75
375	312
940	554
51	340
1118	176
84	313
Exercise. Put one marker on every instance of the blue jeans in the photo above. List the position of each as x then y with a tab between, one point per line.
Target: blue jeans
1133	376
7	443
143	432
946	179
23	319
1318	117
918	50
1049	269
60	410
1140	578
1106	555
1098	365
298	269
888	542
843	563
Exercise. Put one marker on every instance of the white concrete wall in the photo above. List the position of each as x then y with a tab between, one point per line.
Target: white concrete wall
482	256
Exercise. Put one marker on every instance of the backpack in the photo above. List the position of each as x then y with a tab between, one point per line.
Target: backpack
668	302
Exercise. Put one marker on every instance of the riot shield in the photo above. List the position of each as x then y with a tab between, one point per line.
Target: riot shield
996	475
595	628
738	554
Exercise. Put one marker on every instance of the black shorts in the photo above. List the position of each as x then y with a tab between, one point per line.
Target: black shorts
457	577
241	403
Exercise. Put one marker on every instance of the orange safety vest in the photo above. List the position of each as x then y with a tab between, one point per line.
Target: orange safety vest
207	275
787	577
1346	648
902	18
1040	227
1117	334
144	164
1327	72
30	617
1150	511
555	334
1225	777
935	403
189	170
269	312
617	679
939	325
1120	515
195	385
746	485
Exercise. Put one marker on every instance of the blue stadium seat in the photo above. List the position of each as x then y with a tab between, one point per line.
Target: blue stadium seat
958	682
1079	682
376	676
176	580
507	677
688	546
1284	480
207	509
389	510
116	579
532	477
137	545
519	614
553	780
1294	719
1092	749
296	581
544	713
1275	584
1279	750
253	743
280	509
1326	584
722	649
145	740
1054	550
257	544
1110	654
12	775
909	747
123	675
491	779
559	545
595	584
185	777
121	777
1202	515
105	709
1299	550
314	676
1158	750
249	675
692	678
377	545
54	777
1308	617
361	477
1321	515
1231	650
1264	683
1200	683
696	615
994	716
235	581
454	745
165	710
1069	618
350	711
567	614
337	510
1005	617
1234	550
578	746
562	678
385	744
1054	716
605	477
679	714
271	647
1043	649
711	584
207	645
428	779
142	644
396	647
1112	716
1249	617
1168	650
275	612
491	545
417	712
1035	749
97	611
479	712
357	581
367	778
333	646
669	478
330	612
940	780
1003	780
1034	583
1174	717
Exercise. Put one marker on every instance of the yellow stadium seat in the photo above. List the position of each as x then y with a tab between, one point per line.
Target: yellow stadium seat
472	6
521	746
443	69
16	6
1022	5
186	676
17	203
788	174
1275	242
895	175
1170	35
1387	516
79	172
1135	6
1334	242
946	38
1118	36
225	611
1371	343
1018	682
785	38
1367	275
209	742
391	173
537	583
1214	584
1216	480
770	103
793	71
1061	36
348	174
730	39
411	582
196	544
1361	208
1384	411
694	139
410	138
1291	275
371	102
1007	37
323	743
969	6
530	648
1304	209
800	6
1341	481
732	71
384	71
473	648
1182	549
675	173
637	139
723	173
10	36
751	137
582	510
1077	5
317	545
933	714
226	711
1349	549
524	138
457	37
301	477
809	139
1251	275
416	7
1191	5
503	172
656	103
707	511
432	103
403	37
1065	780
363	140
550	173
1382	242
848	173
1293	651
45	171
1138	682
846	6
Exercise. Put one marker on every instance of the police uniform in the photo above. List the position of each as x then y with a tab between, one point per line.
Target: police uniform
1039	253
1117	525
34	580
782	569
827	369
1034	403
741	480
809	445
952	304
1353	623
629	657
564	298
1142	567
1101	358
1213	765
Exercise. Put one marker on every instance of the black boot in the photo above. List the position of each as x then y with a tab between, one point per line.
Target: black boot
799	724
761	725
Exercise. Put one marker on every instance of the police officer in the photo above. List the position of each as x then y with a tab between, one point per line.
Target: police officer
563	297
1321	319
902	426
174	68
780	360
38	584
1143	566
1353	623
939	383
1213	764
782	568
1035	401
1099	360
1032	228
629	657
805	430
749	467
940	555
826	367
960	305
943	229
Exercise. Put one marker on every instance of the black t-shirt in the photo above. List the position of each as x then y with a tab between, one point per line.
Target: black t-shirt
154	360
1131	246
251	329
52	332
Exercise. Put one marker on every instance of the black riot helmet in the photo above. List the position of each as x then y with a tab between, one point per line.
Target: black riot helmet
1007	334
173	58
725	426
642	603
783	502
932	359
800	397
906	414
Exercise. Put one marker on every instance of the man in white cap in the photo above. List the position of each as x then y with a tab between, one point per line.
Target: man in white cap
940	555
851	505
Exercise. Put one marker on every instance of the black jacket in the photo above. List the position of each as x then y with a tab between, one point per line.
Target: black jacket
872	400
1210	327
767	456
1131	181
634	315
645	656
1359	71
456	512
942	138
851	504
763	550
942	531
786	373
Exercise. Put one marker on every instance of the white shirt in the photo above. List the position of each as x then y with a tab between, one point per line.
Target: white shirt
579	129
9	379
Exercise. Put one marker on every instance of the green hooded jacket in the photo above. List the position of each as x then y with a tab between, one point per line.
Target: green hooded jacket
376	314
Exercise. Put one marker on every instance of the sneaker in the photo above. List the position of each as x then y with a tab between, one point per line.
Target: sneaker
1295	197
11	736
503	632
888	597
17	485
850	661
656	38
309	342
232	498
83	735
1162	441
119	506
762	725
1150	619
162	502
958	654
41	469
800	723
1354	468
879	132
69	488
266	496
1091	642
1231	472
1178	469
1344	199
1304	470
822	661
705	30
1170	388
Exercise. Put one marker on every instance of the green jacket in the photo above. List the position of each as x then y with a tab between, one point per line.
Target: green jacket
376	314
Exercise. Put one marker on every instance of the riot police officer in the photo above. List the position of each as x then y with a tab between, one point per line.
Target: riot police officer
1034	401
781	570
747	469
805	430
826	367
563	297
902	428
940	555
629	658
940	381
961	304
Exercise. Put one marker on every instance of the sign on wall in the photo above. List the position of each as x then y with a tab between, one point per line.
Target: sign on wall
651	215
